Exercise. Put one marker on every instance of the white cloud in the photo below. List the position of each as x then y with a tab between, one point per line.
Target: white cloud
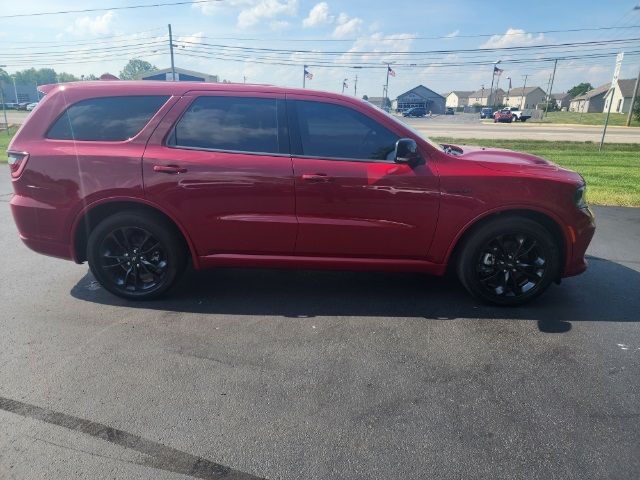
453	34
266	9
188	42
346	26
278	25
99	25
513	37
377	43
318	15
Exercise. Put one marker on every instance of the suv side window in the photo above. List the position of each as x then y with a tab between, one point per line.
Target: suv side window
242	124
109	119
332	131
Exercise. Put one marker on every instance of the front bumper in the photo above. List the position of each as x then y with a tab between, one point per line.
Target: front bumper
580	235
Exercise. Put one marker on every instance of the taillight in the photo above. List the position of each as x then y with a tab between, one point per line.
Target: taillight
17	161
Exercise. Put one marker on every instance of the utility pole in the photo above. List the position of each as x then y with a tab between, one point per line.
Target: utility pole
15	90
173	67
4	110
355	86
633	100
385	90
304	76
244	79
523	90
553	77
612	89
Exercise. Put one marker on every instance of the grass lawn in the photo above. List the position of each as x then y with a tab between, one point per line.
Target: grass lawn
4	143
615	119
613	176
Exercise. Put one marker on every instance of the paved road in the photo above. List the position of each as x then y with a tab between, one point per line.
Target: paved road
318	375
468	126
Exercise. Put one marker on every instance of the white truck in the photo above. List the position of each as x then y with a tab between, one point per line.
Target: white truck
520	115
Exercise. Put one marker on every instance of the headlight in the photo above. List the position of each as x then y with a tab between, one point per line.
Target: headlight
580	197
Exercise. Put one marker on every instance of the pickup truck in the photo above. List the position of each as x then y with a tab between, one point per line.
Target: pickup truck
521	115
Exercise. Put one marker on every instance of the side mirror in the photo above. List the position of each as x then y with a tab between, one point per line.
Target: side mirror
407	152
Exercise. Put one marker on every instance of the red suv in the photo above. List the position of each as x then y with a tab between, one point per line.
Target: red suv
141	178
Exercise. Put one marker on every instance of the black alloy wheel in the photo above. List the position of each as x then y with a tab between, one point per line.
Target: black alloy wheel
508	261
136	255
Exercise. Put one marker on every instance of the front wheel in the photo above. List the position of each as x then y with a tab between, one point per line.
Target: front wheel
508	261
136	256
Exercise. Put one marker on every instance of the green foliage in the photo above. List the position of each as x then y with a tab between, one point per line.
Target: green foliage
67	77
579	89
636	109
4	76
31	76
365	97
135	68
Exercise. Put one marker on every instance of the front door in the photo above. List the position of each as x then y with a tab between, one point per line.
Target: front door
222	168
352	199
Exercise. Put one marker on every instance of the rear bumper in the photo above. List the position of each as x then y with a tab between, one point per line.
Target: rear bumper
580	235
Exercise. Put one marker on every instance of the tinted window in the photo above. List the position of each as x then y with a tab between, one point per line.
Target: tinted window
106	119
229	123
328	130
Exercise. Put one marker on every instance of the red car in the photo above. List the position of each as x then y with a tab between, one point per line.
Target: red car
504	115
141	178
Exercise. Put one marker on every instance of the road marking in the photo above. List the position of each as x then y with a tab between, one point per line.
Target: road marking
158	456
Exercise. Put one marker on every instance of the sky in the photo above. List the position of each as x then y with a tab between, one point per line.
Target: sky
336	35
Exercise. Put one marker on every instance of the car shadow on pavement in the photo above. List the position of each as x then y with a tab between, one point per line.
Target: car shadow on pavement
607	292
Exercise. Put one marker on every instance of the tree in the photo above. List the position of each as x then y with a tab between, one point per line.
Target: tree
365	97
67	77
135	68
579	89
31	76
4	76
636	108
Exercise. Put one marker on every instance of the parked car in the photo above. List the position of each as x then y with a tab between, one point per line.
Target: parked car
503	115
414	112
31	106
449	111
486	112
141	178
520	115
11	106
22	106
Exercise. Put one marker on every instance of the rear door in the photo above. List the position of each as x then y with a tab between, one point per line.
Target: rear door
220	164
352	199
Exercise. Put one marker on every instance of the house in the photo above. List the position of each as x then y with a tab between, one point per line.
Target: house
421	96
592	101
182	75
522	97
457	98
562	100
482	97
622	93
378	102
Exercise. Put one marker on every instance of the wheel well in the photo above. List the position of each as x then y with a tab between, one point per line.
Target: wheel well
544	220
94	216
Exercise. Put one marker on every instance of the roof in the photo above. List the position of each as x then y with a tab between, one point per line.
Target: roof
559	96
522	92
461	93
178	71
485	93
601	90
422	91
626	86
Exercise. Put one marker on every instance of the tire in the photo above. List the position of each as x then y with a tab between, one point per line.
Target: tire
136	255
489	274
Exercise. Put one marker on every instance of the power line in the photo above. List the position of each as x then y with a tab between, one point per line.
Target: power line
87	10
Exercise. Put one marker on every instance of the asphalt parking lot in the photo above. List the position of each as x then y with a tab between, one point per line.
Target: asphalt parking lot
320	375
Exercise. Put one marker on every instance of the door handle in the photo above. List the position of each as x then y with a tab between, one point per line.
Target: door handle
169	169
316	177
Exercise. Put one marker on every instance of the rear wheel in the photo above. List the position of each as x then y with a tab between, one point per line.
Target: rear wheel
135	255
508	261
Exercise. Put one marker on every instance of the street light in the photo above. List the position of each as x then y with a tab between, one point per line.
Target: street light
493	77
15	90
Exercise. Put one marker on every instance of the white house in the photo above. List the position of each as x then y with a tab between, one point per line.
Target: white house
482	97
528	97
592	101
622	93
458	98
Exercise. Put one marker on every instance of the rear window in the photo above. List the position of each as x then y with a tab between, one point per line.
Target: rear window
109	119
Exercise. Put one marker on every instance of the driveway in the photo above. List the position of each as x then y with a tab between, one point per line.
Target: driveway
314	375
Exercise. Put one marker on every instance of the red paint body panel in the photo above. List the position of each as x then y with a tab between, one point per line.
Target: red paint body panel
242	209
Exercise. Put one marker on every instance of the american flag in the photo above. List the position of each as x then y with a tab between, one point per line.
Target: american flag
391	71
344	83
497	71
307	73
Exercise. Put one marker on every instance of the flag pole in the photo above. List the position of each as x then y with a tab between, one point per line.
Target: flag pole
304	75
